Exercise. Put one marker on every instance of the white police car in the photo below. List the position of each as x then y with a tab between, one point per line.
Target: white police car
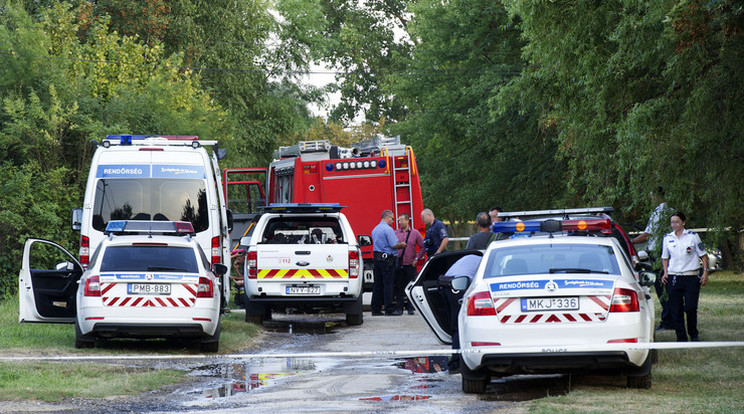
544	301
147	279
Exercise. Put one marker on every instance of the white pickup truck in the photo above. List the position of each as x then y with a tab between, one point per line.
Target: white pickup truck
303	257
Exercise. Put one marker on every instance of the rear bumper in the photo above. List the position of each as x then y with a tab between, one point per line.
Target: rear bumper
529	363
115	330
303	300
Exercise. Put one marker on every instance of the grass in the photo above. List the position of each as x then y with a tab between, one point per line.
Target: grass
706	380
51	381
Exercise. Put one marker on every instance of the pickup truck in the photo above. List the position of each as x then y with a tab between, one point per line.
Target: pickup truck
303	257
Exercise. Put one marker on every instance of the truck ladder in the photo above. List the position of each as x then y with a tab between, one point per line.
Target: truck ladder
402	193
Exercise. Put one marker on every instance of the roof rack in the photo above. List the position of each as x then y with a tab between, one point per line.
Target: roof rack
303	208
303	147
562	212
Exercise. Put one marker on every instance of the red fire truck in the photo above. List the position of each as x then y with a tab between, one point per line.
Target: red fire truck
371	176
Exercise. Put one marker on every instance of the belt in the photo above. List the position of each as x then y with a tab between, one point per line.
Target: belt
692	273
385	256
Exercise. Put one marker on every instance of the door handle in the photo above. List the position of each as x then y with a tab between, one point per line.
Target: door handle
303	263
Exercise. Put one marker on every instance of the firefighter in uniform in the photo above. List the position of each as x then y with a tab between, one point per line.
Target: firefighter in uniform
384	243
680	256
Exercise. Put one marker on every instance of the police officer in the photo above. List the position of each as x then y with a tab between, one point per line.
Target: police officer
384	243
436	234
680	256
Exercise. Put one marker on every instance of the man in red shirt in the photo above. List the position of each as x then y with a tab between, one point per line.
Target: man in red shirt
407	259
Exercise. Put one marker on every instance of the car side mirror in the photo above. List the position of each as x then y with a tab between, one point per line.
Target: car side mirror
646	278
77	219
230	220
68	266
643	267
643	256
364	240
245	241
219	269
460	283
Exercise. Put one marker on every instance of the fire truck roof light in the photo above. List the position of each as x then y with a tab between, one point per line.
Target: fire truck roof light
142	226
304	208
551	225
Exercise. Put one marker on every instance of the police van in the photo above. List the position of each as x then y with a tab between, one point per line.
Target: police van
156	178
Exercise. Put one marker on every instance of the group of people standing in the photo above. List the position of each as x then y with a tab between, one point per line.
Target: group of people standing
397	253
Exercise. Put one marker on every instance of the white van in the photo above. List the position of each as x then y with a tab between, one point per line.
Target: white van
159	178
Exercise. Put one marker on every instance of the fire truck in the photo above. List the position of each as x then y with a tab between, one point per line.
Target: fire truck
367	178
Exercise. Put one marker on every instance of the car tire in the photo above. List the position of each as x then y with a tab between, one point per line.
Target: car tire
641	379
255	313
473	382
211	343
83	341
354	319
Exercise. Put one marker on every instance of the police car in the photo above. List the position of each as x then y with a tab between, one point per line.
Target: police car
544	301
146	279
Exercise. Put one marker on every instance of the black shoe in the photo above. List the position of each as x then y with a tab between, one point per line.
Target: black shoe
394	313
663	328
695	339
410	311
376	313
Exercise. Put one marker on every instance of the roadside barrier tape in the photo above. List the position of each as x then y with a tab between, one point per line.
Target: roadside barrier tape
392	353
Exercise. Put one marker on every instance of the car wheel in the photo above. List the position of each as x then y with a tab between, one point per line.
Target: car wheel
83	341
641	379
211	343
256	313
354	319
473	382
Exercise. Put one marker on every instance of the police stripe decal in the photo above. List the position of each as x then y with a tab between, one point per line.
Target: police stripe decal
303	274
142	301
508	310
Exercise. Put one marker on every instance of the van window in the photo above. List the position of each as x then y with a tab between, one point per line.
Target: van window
150	199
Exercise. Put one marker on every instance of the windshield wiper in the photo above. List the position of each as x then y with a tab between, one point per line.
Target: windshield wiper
575	270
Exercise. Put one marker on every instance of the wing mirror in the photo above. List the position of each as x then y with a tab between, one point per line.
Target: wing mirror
643	256
364	240
643	267
460	283
245	241
646	278
219	269
77	218
67	266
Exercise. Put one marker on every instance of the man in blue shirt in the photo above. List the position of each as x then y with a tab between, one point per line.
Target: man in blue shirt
384	243
436	235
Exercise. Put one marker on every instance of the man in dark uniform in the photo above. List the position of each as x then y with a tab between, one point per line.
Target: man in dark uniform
436	234
384	243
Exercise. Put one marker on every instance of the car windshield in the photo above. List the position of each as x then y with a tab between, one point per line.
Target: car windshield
551	258
151	199
149	259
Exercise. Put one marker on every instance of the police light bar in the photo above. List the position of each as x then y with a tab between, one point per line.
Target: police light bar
551	225
303	208
558	212
179	140
140	226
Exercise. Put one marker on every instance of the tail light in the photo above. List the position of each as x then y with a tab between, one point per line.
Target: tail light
624	300
216	250
84	252
205	289
480	304
353	263
251	262
92	286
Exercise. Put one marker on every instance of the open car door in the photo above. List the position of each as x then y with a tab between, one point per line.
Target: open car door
426	293
47	283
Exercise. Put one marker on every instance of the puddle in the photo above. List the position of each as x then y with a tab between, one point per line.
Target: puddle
397	397
429	364
295	327
245	376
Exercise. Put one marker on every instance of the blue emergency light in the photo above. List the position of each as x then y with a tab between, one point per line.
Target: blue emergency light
515	226
142	226
552	225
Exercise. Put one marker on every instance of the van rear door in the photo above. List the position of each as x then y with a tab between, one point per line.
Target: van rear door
47	283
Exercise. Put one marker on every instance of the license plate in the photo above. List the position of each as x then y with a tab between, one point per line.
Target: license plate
303	290
550	304
149	289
